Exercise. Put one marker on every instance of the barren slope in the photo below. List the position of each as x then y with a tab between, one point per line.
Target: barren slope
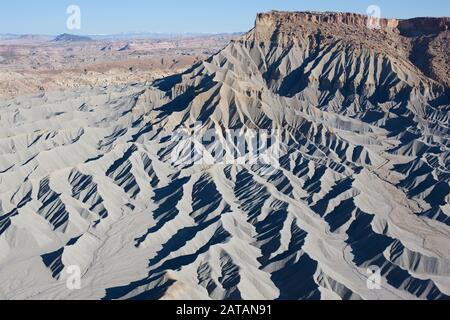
86	176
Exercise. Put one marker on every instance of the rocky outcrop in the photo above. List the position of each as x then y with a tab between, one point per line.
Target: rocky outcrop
423	26
406	39
71	38
300	19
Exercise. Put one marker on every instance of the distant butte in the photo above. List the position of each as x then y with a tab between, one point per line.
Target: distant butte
71	38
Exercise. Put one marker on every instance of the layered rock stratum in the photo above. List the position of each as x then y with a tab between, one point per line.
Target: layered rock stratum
87	177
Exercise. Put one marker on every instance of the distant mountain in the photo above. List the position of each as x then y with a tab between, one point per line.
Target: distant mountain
25	37
159	36
7	36
108	37
71	38
34	37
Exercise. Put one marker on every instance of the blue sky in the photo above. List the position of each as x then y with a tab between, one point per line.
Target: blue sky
179	16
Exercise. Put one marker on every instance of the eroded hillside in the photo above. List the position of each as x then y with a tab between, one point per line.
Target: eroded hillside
88	177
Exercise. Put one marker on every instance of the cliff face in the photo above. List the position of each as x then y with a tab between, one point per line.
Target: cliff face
409	27
422	41
330	18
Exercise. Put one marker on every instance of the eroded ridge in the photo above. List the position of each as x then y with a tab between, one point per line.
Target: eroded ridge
363	179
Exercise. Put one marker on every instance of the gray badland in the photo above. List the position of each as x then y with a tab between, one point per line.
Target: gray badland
87	177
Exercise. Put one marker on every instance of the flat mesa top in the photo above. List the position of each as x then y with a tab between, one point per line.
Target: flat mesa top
426	24
324	14
393	37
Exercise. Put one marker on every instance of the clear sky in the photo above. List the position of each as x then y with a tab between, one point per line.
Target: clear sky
180	16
